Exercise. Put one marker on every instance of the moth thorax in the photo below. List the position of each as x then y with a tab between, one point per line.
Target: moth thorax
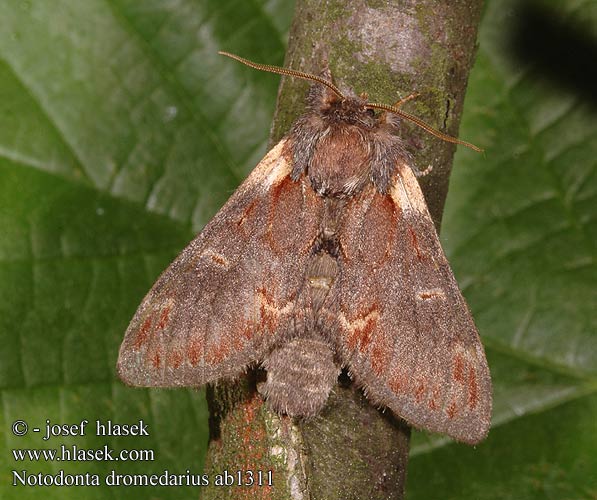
340	164
300	376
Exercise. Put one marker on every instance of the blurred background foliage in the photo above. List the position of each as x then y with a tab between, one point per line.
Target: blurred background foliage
122	132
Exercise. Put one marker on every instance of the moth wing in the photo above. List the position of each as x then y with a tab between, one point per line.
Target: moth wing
230	294
406	332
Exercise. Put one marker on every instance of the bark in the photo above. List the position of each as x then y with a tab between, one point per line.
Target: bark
389	50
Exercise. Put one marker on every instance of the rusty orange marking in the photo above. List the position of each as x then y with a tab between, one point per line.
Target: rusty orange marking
390	209
237	343
451	411
195	351
433	400
388	206
156	358
351	340
268	311
473	388
164	318
284	184
267	318
217	353
420	392
248	330
175	358
378	359
413	237
458	371
365	333
281	202
142	334
247	213
361	328
431	294
219	260
381	217
399	383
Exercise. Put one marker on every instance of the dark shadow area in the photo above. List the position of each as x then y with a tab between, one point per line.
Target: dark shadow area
559	49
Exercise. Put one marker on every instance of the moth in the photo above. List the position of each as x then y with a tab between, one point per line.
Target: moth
324	258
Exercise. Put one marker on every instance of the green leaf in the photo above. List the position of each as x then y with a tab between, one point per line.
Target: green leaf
520	229
122	132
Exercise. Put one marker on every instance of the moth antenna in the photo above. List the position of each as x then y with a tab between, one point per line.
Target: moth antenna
285	72
392	109
420	123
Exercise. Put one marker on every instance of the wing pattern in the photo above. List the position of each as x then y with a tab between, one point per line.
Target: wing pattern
405	331
230	295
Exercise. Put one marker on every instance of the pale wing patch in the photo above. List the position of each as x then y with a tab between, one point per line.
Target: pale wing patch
216	258
279	171
406	191
360	322
267	305
272	168
360	330
278	165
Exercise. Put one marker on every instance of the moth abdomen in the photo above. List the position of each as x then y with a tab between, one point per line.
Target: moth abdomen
300	375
